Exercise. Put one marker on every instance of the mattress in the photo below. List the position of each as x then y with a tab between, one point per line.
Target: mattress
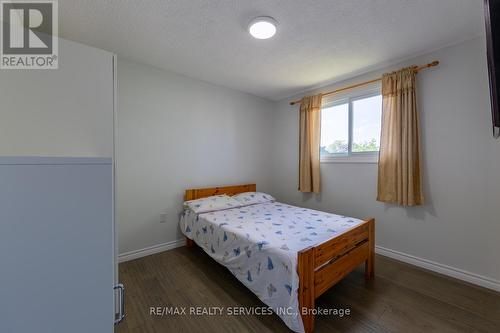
259	245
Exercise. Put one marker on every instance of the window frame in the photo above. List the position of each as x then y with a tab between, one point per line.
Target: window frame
350	156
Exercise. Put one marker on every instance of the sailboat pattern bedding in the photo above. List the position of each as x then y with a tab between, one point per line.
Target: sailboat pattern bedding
259	244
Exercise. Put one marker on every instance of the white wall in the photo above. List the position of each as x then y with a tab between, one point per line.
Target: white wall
62	112
175	133
459	226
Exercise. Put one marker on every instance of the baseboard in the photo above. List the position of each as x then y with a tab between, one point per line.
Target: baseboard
440	268
131	255
407	258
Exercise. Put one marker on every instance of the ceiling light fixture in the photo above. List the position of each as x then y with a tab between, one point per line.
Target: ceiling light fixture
262	27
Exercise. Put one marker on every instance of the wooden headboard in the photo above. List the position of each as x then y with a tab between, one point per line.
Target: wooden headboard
197	193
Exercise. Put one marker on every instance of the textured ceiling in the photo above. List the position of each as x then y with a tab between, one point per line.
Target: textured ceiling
318	41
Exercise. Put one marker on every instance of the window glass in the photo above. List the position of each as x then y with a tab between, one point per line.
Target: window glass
335	129
367	113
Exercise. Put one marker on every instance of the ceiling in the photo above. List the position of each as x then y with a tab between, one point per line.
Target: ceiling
318	41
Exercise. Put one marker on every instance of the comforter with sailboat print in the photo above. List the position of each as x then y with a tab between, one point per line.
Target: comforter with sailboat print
259	244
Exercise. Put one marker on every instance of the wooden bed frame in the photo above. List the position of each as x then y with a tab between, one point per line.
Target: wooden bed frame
319	267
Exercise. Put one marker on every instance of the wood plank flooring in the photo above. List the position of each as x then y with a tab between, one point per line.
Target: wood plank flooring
401	298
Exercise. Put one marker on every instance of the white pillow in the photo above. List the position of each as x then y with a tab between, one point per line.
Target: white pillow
210	204
250	198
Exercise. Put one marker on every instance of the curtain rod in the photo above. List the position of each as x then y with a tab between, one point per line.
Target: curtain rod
415	68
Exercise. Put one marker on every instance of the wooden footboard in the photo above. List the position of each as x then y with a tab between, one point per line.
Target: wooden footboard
322	266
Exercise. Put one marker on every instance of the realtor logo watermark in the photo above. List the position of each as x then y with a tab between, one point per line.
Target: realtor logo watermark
29	35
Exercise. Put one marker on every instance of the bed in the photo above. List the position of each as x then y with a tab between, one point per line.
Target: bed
288	256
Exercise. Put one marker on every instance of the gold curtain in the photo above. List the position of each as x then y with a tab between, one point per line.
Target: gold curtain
309	141
399	174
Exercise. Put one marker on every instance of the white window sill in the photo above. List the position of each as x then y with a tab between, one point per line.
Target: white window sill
373	159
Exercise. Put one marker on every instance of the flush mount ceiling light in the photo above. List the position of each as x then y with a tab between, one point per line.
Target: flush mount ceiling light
262	27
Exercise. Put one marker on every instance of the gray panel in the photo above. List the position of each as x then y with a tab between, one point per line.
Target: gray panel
56	248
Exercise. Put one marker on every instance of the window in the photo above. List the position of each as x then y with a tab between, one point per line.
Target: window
350	127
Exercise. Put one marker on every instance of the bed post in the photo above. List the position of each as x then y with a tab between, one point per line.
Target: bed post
370	262
189	243
306	295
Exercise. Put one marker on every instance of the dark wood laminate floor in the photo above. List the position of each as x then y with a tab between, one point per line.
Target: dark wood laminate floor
402	298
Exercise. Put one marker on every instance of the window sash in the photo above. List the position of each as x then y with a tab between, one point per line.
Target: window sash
366	156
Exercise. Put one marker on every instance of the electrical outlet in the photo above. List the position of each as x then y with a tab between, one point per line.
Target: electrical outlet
163	218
